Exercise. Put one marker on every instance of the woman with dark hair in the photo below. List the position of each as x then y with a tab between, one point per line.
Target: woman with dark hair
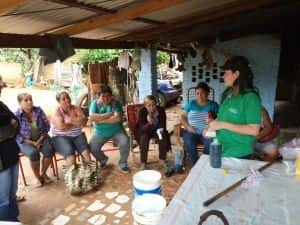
239	116
152	123
67	123
33	137
106	115
194	119
9	166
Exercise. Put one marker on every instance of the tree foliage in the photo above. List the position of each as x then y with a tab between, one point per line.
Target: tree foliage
26	57
106	55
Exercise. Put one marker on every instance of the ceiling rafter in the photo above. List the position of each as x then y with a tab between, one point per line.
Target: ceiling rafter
211	14
11	4
129	13
46	41
100	10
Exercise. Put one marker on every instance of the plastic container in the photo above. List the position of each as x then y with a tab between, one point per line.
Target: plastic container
148	209
215	154
297	165
147	182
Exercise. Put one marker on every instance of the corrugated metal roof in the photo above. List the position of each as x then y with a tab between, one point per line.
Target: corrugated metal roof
35	22
110	4
188	8
112	31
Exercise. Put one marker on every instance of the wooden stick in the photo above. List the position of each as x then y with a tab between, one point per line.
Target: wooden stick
230	188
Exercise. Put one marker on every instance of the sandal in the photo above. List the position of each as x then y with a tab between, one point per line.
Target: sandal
20	198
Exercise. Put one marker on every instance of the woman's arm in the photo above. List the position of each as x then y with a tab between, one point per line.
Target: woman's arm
267	124
58	121
116	117
249	129
98	118
77	117
185	123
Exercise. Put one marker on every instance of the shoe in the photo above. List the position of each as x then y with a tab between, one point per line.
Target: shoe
125	169
103	163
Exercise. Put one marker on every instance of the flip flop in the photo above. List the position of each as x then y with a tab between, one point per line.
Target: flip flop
20	198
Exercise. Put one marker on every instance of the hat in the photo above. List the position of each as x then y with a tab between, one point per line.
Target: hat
235	63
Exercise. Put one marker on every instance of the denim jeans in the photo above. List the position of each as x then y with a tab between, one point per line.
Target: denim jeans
66	145
190	145
9	210
33	154
122	141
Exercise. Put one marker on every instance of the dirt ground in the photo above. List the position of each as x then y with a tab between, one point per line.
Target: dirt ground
52	204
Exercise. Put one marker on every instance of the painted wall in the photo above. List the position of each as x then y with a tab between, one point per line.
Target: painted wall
148	75
263	52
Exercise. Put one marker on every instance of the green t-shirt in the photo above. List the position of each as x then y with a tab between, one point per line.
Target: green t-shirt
241	109
106	129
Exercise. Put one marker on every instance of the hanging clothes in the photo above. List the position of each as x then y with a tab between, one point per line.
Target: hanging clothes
124	61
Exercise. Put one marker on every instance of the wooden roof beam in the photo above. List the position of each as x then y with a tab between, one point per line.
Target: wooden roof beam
211	14
37	41
6	5
129	13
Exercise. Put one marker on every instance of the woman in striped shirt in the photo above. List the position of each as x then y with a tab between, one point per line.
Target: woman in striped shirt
194	121
67	123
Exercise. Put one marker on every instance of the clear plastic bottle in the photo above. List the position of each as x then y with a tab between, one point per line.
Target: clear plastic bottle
215	154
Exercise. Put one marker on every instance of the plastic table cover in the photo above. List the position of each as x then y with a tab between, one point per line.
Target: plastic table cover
274	199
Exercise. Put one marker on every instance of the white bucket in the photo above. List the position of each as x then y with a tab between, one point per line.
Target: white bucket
147	209
147	182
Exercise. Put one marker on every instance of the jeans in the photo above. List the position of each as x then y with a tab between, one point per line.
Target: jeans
33	154
66	145
9	210
190	145
122	141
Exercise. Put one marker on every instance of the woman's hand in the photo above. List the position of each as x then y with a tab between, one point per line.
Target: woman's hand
191	129
215	125
149	119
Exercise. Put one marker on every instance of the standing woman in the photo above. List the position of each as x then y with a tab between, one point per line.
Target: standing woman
239	116
33	137
68	137
9	166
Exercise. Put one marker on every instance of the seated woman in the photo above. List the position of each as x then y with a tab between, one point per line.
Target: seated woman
194	121
265	145
67	123
106	115
33	137
152	123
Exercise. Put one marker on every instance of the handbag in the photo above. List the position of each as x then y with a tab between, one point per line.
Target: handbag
81	178
273	134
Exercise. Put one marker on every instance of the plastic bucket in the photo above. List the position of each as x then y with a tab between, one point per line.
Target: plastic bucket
147	182
147	209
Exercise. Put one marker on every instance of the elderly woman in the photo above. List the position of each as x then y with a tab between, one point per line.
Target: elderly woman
152	123
194	119
67	123
33	137
9	166
239	116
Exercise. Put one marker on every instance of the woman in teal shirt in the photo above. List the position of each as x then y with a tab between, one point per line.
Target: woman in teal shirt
239	114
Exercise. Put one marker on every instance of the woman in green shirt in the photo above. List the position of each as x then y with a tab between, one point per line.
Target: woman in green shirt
239	114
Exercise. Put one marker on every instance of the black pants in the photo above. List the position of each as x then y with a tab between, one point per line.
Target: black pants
164	145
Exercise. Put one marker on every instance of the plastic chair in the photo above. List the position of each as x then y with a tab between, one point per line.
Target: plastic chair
132	119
